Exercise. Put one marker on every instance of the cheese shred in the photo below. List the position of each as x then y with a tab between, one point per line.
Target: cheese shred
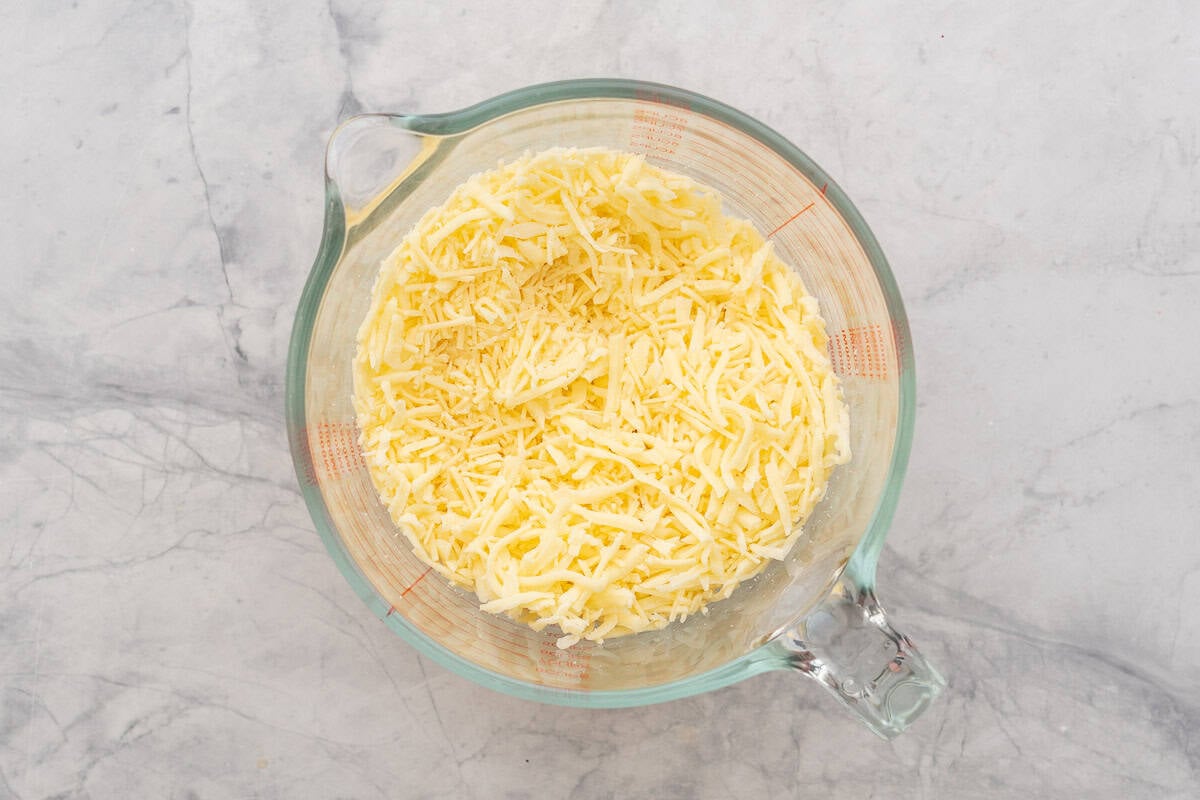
592	398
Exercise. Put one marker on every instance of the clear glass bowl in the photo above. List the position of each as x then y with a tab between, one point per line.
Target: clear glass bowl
814	612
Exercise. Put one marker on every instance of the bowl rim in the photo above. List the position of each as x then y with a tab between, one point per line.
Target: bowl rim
861	567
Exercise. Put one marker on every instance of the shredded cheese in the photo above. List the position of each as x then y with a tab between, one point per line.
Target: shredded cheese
592	398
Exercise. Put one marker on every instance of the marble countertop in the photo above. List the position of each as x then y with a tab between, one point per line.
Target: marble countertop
171	625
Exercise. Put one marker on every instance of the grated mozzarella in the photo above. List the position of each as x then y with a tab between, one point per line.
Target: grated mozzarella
590	397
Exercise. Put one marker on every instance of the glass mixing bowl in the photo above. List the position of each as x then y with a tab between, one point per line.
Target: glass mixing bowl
814	612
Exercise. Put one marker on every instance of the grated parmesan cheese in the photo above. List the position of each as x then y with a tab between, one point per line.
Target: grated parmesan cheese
590	397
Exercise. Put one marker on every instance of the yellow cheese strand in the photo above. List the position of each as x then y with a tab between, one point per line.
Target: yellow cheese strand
590	397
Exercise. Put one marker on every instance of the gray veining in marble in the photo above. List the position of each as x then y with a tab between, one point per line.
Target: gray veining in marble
170	625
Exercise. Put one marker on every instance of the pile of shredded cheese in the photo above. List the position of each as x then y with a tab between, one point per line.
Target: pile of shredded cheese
591	397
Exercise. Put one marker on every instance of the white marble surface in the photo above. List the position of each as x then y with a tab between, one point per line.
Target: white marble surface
171	626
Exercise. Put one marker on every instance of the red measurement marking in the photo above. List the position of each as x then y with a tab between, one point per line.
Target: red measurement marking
337	448
654	97
860	352
571	665
790	219
823	188
413	585
657	130
391	610
310	470
901	342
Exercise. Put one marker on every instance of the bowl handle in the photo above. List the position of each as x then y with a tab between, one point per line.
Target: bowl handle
848	646
369	155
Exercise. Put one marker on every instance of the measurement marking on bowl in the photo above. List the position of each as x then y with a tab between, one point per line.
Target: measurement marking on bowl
656	131
899	341
795	216
337	444
306	458
860	352
409	588
790	219
555	663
